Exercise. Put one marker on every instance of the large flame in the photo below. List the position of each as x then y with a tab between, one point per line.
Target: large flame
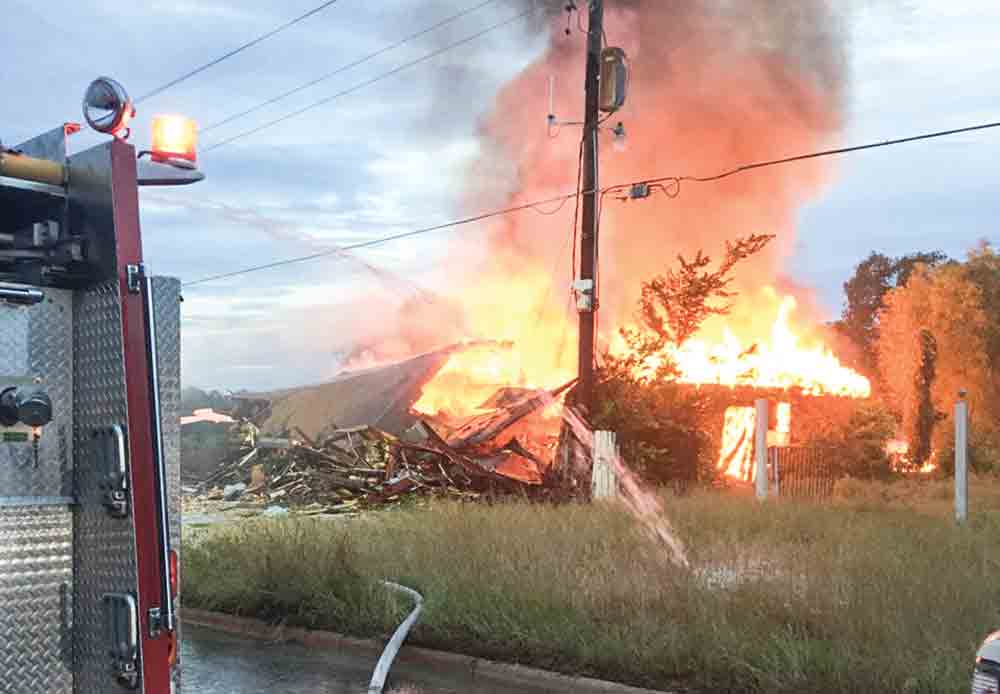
762	348
784	358
531	345
734	353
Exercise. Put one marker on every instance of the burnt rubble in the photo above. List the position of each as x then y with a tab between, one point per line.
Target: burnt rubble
344	470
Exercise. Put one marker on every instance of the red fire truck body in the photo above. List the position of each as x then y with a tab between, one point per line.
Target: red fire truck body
89	428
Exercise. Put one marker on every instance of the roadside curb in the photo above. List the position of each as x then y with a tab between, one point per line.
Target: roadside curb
480	670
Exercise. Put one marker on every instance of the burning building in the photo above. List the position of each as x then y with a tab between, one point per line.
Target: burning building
713	85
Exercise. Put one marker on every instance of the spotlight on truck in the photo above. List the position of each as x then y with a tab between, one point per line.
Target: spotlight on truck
172	157
107	108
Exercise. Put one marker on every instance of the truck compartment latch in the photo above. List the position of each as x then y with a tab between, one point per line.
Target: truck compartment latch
111	457
121	613
134	276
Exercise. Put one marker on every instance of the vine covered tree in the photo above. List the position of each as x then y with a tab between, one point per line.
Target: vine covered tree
939	334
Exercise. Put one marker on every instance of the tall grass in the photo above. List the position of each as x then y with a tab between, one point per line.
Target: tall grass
933	495
782	597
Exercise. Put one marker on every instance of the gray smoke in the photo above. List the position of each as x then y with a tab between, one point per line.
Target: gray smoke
811	34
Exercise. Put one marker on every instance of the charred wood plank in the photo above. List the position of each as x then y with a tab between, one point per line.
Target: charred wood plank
489	426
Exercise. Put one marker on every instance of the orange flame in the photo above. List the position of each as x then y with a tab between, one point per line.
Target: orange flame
531	345
779	360
758	347
899	452
736	453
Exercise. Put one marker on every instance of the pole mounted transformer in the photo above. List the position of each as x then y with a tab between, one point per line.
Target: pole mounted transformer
89	393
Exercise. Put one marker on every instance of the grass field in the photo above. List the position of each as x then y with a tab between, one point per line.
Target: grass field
862	595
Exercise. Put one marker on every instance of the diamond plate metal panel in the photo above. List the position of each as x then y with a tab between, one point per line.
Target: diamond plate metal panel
36	345
104	547
167	315
36	573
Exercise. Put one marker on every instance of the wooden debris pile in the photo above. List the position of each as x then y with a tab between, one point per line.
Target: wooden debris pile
359	468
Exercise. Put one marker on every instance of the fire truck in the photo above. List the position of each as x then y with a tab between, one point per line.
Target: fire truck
89	397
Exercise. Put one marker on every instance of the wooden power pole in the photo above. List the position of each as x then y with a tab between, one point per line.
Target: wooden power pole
588	302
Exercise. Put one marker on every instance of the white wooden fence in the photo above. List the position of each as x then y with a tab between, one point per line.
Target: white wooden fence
604	477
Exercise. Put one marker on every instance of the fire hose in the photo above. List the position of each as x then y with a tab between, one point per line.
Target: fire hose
396	642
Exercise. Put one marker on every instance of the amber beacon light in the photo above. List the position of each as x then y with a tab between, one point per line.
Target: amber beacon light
175	141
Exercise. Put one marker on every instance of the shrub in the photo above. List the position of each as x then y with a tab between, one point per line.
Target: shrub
661	425
860	443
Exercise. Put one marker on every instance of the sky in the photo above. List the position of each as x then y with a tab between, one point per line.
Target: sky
395	155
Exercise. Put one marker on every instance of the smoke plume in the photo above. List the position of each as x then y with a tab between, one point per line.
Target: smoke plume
713	84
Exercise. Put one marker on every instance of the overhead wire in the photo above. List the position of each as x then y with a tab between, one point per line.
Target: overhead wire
549	213
239	49
384	239
603	191
377	78
348	66
676	180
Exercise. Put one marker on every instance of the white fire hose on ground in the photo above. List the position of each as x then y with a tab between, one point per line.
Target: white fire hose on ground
396	642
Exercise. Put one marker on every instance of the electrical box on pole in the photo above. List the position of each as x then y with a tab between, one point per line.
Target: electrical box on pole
614	79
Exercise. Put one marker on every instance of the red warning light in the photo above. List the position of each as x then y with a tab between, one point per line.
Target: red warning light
175	140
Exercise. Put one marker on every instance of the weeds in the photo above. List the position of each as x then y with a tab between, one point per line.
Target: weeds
782	597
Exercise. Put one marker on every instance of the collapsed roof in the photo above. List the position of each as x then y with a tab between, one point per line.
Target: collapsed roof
379	397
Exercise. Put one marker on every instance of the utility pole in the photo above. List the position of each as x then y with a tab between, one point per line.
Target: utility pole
588	237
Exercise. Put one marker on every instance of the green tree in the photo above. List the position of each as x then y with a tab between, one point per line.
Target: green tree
983	268
864	295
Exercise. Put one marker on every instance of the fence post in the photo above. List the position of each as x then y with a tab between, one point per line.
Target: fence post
760	449
604	480
961	458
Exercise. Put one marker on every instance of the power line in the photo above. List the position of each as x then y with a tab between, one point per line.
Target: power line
373	80
385	239
576	194
348	66
235	51
812	155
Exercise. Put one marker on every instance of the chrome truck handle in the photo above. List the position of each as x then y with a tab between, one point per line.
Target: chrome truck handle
20	296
